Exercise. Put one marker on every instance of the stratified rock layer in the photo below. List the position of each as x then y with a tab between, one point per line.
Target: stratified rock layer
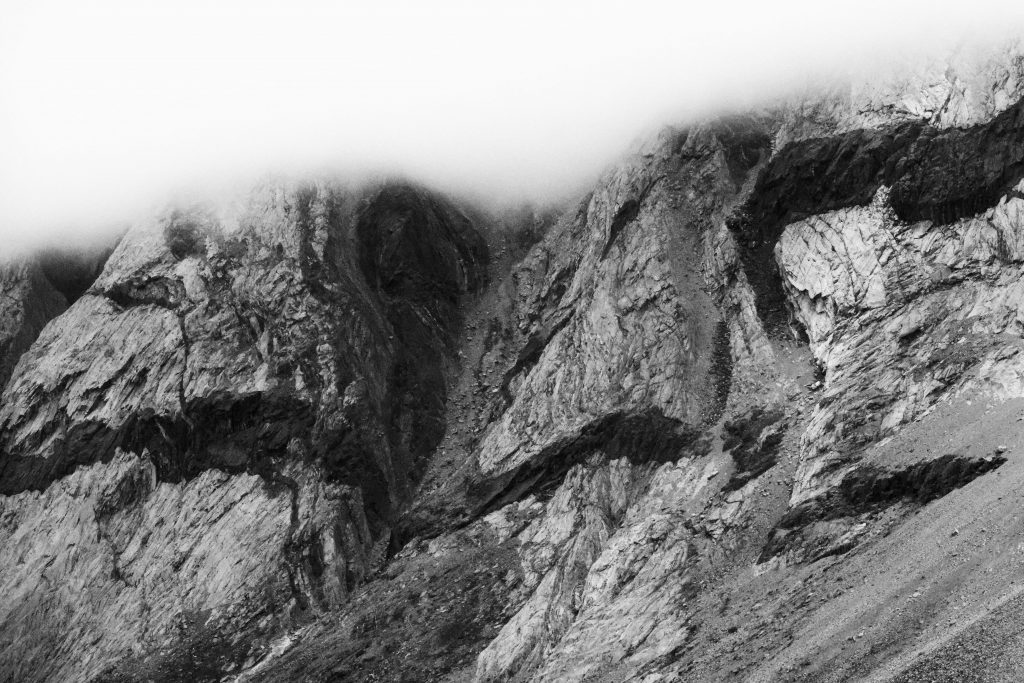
749	410
275	377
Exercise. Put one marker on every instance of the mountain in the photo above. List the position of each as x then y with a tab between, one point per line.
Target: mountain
751	409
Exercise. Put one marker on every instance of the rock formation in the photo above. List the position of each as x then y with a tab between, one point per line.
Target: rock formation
748	410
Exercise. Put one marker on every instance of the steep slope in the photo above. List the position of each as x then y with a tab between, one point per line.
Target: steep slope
36	289
686	484
27	302
749	410
214	438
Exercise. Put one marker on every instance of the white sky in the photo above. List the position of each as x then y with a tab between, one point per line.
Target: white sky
107	106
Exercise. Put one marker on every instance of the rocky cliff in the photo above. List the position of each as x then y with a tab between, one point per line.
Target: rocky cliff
748	410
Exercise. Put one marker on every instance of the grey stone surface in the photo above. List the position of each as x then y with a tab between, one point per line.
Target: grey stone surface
742	412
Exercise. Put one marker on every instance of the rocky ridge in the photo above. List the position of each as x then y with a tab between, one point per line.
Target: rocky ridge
348	433
274	374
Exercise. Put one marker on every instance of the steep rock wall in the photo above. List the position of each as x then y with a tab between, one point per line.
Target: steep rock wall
713	425
261	383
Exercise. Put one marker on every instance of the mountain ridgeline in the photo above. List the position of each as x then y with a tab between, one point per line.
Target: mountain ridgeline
749	410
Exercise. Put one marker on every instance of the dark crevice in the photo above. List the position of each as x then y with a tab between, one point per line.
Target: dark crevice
154	291
922	482
644	437
937	175
721	372
869	489
638	437
421	256
185	231
753	444
72	272
56	278
227	432
745	144
294	547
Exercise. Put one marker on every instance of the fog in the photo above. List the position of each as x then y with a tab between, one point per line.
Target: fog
109	107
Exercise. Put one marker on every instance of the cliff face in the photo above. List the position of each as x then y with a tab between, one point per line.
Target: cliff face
749	410
29	302
229	418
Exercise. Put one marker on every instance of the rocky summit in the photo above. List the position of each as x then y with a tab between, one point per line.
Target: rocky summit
752	409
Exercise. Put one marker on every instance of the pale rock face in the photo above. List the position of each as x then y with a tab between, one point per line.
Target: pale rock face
132	560
557	550
900	316
624	341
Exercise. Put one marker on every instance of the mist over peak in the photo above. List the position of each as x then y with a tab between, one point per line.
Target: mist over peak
111	107
607	341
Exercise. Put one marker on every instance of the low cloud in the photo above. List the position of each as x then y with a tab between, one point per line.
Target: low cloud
108	107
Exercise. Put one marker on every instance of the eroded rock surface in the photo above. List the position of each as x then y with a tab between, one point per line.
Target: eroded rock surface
280	366
28	301
748	410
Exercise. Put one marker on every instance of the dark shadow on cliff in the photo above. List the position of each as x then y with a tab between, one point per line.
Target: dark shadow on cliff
939	175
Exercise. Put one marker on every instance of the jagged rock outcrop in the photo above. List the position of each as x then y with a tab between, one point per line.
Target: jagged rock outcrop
600	462
28	302
276	376
749	410
900	316
971	84
35	289
135	564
